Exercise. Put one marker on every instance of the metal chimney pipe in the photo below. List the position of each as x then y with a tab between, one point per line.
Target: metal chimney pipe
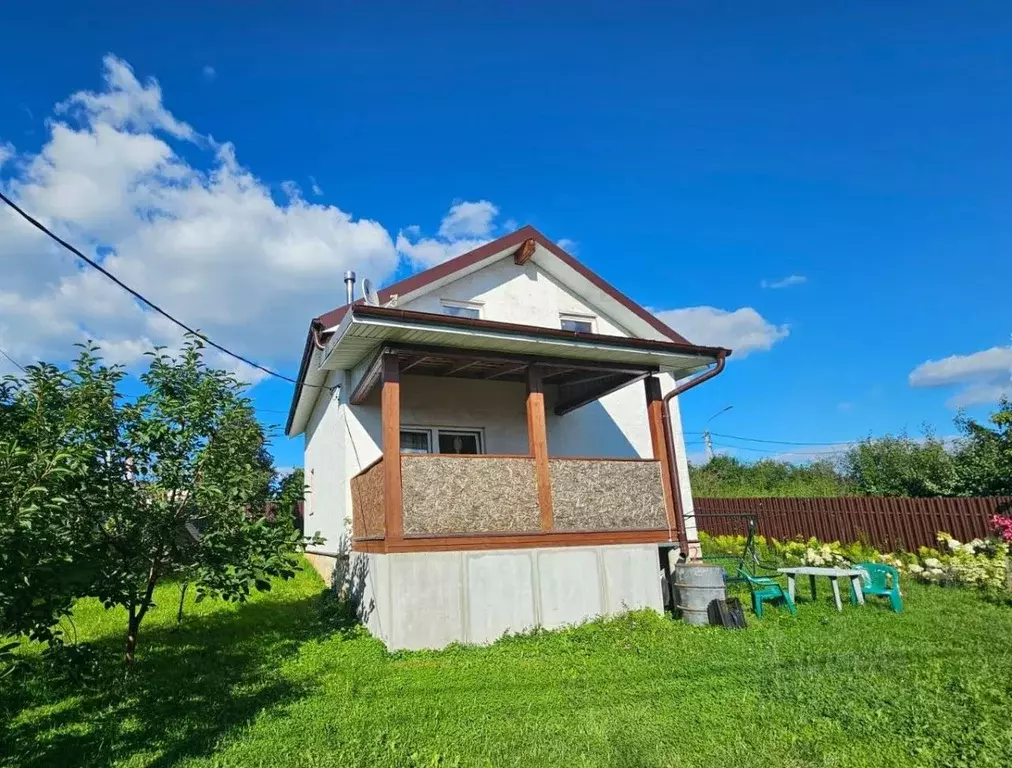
349	286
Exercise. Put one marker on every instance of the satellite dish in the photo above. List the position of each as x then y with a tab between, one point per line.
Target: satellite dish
371	297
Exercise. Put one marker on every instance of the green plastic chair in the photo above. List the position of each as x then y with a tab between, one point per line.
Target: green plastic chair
763	589
880	580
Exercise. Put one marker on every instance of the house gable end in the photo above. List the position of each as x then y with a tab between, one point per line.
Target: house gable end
527	294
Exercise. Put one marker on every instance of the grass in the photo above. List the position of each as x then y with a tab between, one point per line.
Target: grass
282	681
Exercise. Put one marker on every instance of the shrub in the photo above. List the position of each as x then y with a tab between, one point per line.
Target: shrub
979	563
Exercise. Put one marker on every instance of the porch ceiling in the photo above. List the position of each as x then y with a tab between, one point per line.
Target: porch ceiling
578	381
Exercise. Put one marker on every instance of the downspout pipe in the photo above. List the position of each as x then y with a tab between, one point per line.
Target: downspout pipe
669	440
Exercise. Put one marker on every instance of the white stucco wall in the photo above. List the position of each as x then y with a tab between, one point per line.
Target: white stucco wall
342	439
512	294
326	501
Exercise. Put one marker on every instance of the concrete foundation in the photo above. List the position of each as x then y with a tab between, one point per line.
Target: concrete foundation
431	599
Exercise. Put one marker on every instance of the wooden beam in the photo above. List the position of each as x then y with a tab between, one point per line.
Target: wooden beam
372	376
537	444
587	379
507	371
655	406
523	254
485	541
391	417
414	363
458	368
561	372
480	355
619	381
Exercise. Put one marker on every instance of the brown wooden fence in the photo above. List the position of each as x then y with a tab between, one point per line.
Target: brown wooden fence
886	523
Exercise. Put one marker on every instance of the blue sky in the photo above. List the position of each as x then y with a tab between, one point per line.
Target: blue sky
691	151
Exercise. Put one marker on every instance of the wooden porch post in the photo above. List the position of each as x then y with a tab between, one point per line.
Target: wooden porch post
537	445
655	406
391	410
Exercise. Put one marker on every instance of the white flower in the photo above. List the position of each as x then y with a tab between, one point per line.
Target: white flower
953	544
916	568
933	563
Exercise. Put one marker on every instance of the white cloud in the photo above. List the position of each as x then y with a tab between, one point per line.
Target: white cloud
126	103
317	189
980	394
784	282
743	330
984	376
465	227
201	236
7	151
468	220
429	251
958	369
569	246
209	72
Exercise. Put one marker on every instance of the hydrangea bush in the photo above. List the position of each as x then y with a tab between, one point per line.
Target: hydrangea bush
980	563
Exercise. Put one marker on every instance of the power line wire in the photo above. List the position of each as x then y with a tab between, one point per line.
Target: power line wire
775	442
23	369
147	302
781	453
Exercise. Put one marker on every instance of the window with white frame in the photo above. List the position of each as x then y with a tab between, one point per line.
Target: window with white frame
470	309
577	323
416	441
467	442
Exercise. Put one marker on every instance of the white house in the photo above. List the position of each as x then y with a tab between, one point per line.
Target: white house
494	429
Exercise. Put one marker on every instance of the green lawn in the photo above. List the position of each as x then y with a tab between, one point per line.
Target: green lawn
279	682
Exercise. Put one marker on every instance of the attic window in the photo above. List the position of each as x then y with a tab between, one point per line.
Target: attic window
470	309
577	323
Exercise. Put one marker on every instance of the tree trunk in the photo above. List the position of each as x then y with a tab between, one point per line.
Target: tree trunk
131	641
182	599
137	614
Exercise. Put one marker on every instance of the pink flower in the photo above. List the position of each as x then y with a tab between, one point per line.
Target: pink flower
1003	525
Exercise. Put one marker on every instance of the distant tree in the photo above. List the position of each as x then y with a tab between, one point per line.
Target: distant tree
171	485
728	476
978	464
984	462
291	488
901	466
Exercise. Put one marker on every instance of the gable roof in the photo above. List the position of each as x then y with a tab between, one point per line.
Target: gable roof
416	285
465	261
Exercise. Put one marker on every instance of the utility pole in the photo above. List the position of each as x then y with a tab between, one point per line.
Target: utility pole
707	443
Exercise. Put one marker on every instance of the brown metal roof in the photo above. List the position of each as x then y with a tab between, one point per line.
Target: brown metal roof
447	268
460	263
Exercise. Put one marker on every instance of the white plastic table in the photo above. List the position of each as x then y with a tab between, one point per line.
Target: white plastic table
833	574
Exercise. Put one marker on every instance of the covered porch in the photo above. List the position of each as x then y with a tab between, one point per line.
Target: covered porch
431	493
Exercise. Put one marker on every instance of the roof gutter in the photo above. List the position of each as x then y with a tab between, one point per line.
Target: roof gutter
669	440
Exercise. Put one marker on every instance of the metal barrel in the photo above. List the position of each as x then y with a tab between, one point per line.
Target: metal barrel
697	585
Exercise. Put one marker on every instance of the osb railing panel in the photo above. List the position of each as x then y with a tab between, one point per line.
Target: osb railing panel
444	494
603	495
368	515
